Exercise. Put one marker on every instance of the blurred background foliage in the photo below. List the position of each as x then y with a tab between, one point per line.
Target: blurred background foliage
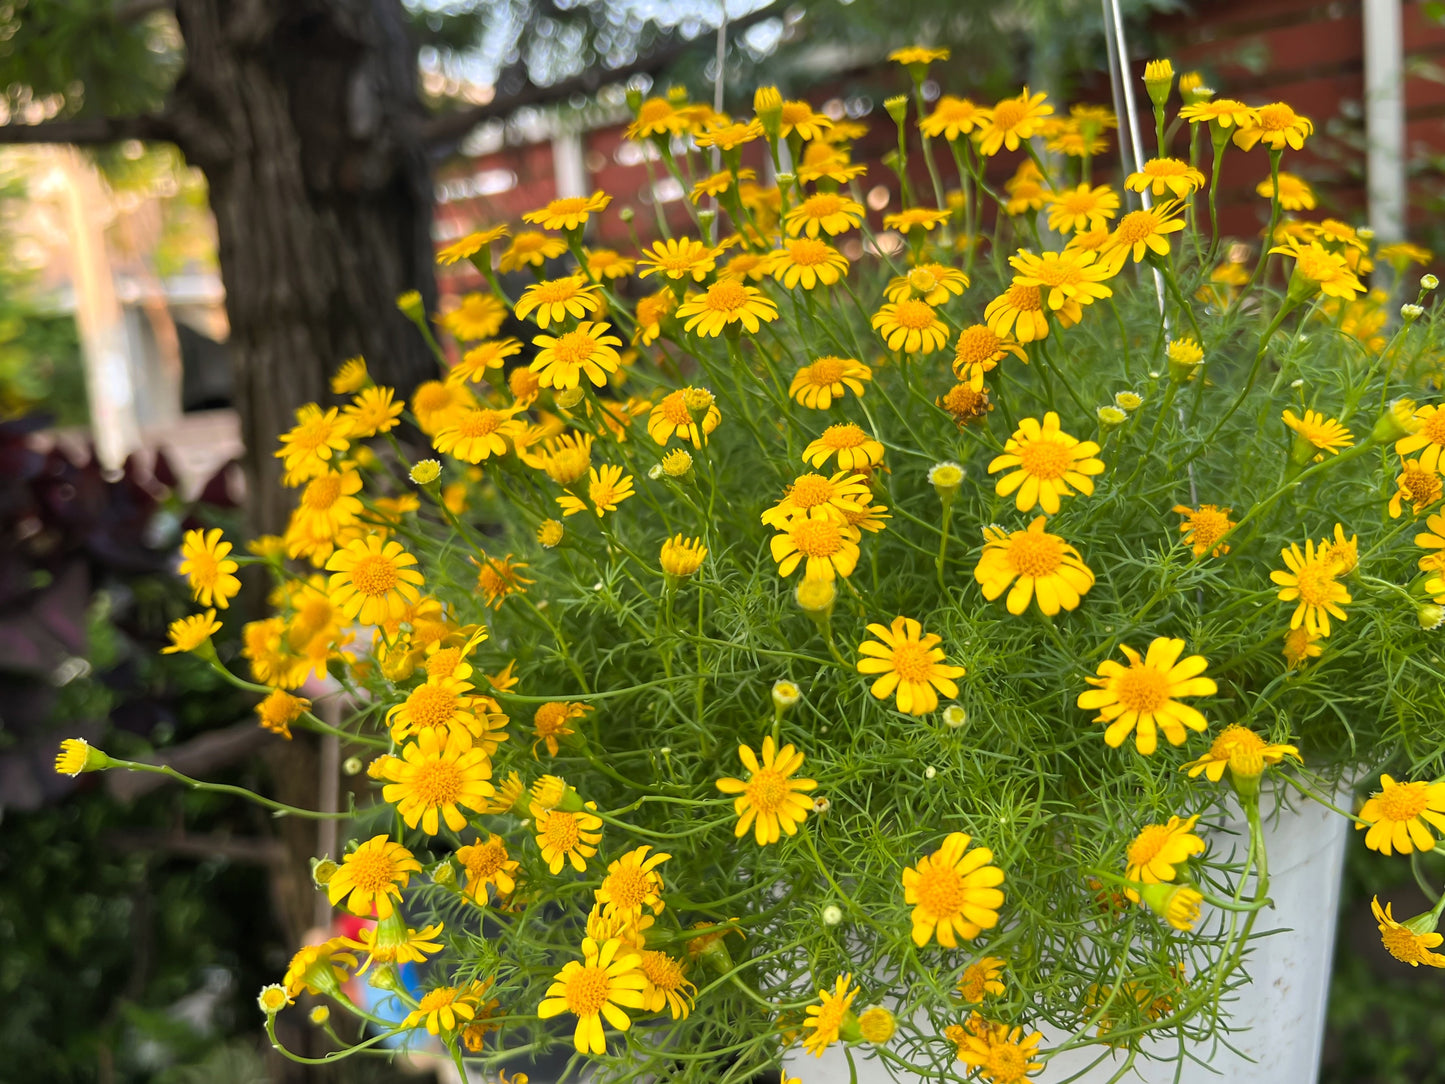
122	960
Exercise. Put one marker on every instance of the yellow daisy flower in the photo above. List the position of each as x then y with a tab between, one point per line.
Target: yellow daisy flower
909	664
1019	310
1240	750
443	1010
1142	232
319	969
724	303
372	876
1221	113
954	892
478	316
769	801
473	436
605	263
672	416
824	546
910	326
607	487
815	386
1428	439
1038	565
1074	210
351	376
1400	816
549	723
632	883
279	710
826	212
1318	270
1404	941
843	494
528	249
952	118
1048	463
1276	125
488	863
1161	175
656	117
555	300
372	580
1295	194
587	350
678	259
373	411
210	572
477	361
806	262
729	136
929	282
1323	433
978	350
854	448
980	979
307	449
1157	849
464	247
1312	580
667	985
1203	527
1417	486
431	782
189	633
1001	1054
824	1020
681	556
1071	277
1011	121
1143	694
607	980
568	213
565	836
498	578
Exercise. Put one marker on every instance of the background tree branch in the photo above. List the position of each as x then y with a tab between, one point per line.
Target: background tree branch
90	131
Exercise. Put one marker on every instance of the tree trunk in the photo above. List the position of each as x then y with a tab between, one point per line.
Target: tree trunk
304	117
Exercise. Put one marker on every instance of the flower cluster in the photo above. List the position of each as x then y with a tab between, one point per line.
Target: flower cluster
948	503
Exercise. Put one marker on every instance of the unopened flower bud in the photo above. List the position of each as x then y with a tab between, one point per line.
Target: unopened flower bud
627	214
678	464
897	107
273	999
785	695
1128	401
705	218
815	596
1431	615
322	870
1192	88
1429	282
550	533
1158	81
1184	358
945	478
877	1025
567	398
930	772
1411	313
410	303
320	1015
822	805
768	107
634	99
832	915
353	766
445	874
78	755
1397	421
1110	417
426	472
1175	903
954	716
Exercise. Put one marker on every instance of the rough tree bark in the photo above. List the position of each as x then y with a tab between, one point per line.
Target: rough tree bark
304	117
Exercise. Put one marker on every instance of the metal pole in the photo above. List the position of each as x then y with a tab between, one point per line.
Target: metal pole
1384	119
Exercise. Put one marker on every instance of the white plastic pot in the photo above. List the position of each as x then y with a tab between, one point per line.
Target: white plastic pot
1283	1006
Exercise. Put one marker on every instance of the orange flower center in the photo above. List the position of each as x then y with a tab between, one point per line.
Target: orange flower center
1433	428
1080	201
683	259
1316	582
588	989
1058	272
430	706
1276	118
1165	167
1006	1065
551	719
438	999
437	783
1010	114
432	397
1136	226
1207	525
912	662
1404	801
817	537
976	345
574	348
1421	486
444	662
1148	844
1317	264
1142	689
811	490
662	970
374	575
940	890
371	870
322	493
629	887
479	423
808	252
1402	944
727	296
557	290
826	371
1044	458
822	205
914	315
842	436
204	568
485	859
1033	553
561	831
312	435
569	205
675	410
767	790
1024	298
